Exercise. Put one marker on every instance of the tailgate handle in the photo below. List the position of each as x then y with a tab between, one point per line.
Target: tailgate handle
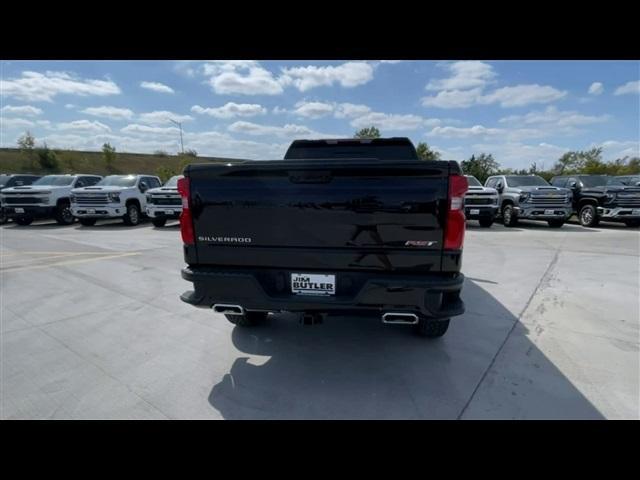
310	177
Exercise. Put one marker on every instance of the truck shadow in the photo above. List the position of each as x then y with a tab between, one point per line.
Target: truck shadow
41	225
359	368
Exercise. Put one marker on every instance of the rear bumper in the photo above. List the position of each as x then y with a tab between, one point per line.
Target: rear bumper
435	296
538	212
33	211
619	213
484	211
159	211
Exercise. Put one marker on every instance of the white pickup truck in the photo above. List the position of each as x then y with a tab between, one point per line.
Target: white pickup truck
115	196
48	197
165	202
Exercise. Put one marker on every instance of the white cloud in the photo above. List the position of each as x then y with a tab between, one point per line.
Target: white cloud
39	87
27	110
69	106
84	126
596	88
519	155
516	96
313	109
231	110
146	129
613	149
464	75
14	123
629	87
288	130
521	95
554	118
464	132
349	74
453	98
163	117
113	113
351	110
157	87
240	77
387	121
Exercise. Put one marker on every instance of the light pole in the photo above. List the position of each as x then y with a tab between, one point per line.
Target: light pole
180	126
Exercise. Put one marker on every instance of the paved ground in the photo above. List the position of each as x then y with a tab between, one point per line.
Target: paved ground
92	327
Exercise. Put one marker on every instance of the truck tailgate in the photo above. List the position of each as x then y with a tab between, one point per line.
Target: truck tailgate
320	214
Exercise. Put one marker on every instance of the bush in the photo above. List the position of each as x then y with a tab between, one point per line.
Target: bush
47	159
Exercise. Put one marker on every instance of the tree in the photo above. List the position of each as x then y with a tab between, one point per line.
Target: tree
481	167
165	173
370	132
191	153
26	143
580	161
425	153
109	155
48	159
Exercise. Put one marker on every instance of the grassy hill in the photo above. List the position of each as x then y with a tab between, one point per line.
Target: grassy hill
73	161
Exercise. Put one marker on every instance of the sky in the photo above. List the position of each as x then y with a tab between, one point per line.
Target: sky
519	111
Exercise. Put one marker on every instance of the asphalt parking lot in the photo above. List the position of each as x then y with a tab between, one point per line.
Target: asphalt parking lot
92	327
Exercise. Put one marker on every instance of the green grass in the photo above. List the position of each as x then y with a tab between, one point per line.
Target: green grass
72	161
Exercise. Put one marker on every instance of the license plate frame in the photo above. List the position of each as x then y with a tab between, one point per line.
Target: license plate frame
549	212
19	210
91	210
316	284
635	212
169	212
474	211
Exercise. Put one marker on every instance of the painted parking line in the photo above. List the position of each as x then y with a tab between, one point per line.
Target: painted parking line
98	257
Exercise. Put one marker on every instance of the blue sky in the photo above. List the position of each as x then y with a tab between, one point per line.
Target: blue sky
520	111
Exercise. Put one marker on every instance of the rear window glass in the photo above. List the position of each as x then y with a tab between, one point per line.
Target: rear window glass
345	149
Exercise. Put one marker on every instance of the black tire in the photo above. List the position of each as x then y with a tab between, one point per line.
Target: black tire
632	223
430	328
509	218
159	222
3	219
555	223
249	319
486	222
132	217
88	222
63	214
24	221
588	216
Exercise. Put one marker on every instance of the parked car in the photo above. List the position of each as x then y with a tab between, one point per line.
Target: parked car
480	203
115	196
13	180
339	226
531	197
629	180
47	197
600	197
164	203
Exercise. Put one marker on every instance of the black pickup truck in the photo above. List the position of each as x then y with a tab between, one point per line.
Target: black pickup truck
601	197
355	227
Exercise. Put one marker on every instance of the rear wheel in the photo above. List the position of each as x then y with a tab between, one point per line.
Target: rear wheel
555	223
248	319
159	221
430	328
63	214
588	216
632	223
509	218
24	221
3	219
88	222
486	222
132	217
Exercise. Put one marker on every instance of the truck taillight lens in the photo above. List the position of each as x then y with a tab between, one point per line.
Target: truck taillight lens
456	222
186	220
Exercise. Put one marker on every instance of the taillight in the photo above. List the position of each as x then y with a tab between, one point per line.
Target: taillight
456	222
186	220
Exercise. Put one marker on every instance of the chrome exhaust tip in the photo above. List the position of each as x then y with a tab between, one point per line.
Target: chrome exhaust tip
401	318
228	309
